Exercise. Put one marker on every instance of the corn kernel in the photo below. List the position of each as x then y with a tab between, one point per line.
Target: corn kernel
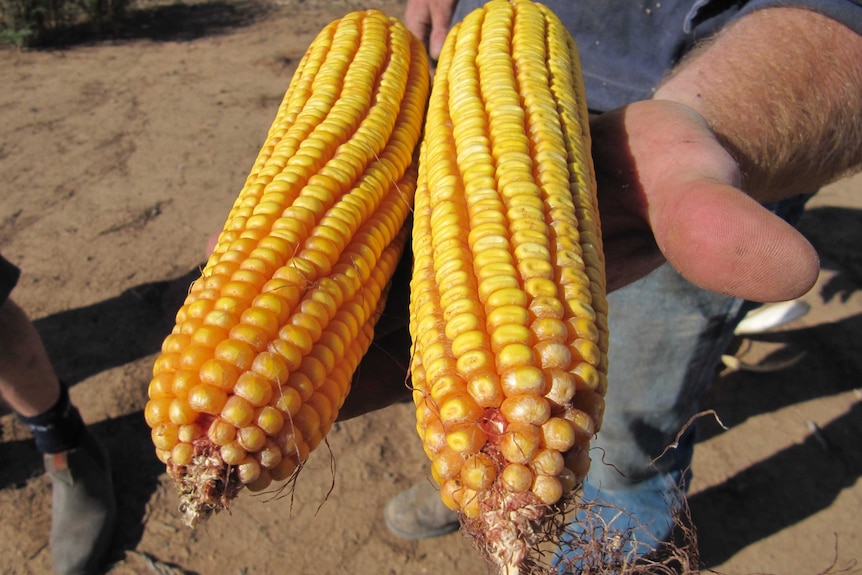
283	470
548	489
470	505
520	442
306	420
479	471
183	382
157	411
160	386
524	380
189	432
208	336
450	493
289	401
219	373
182	454
256	337
527	409
235	352
233	453
237	411
253	388
165	436
582	425
562	387
517	477
320	404
269	420
270	455
485	389
458	409
466	438
548	462
553	355
446	464
578	461
568	480
175	343
221	432
180	412
248	470
270	366
207	399
194	357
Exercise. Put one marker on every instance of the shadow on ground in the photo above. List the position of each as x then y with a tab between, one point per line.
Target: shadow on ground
836	233
759	501
816	371
780	491
804	479
88	340
178	22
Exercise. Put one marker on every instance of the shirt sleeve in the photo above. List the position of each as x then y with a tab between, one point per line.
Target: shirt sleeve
627	46
847	12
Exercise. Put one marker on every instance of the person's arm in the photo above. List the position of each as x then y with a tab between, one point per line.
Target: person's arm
782	89
771	106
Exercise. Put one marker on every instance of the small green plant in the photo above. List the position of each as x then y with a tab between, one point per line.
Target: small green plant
17	37
28	22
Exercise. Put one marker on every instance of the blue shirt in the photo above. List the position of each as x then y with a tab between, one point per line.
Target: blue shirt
628	46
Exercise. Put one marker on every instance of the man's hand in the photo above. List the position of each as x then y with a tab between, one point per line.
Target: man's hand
669	190
429	20
781	115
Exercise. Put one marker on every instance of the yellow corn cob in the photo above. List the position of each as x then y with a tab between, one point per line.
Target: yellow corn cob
265	346
508	313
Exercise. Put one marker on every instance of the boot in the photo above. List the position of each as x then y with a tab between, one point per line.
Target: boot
419	513
83	507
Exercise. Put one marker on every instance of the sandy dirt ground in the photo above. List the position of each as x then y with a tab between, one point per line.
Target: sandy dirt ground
121	154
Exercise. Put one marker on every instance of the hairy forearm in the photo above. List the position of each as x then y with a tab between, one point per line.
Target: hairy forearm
782	89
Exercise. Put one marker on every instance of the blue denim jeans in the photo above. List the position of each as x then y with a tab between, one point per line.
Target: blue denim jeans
666	340
667	337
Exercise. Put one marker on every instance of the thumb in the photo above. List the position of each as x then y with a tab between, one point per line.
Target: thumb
718	237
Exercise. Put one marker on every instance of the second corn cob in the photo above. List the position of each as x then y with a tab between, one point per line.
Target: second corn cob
508	309
264	348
